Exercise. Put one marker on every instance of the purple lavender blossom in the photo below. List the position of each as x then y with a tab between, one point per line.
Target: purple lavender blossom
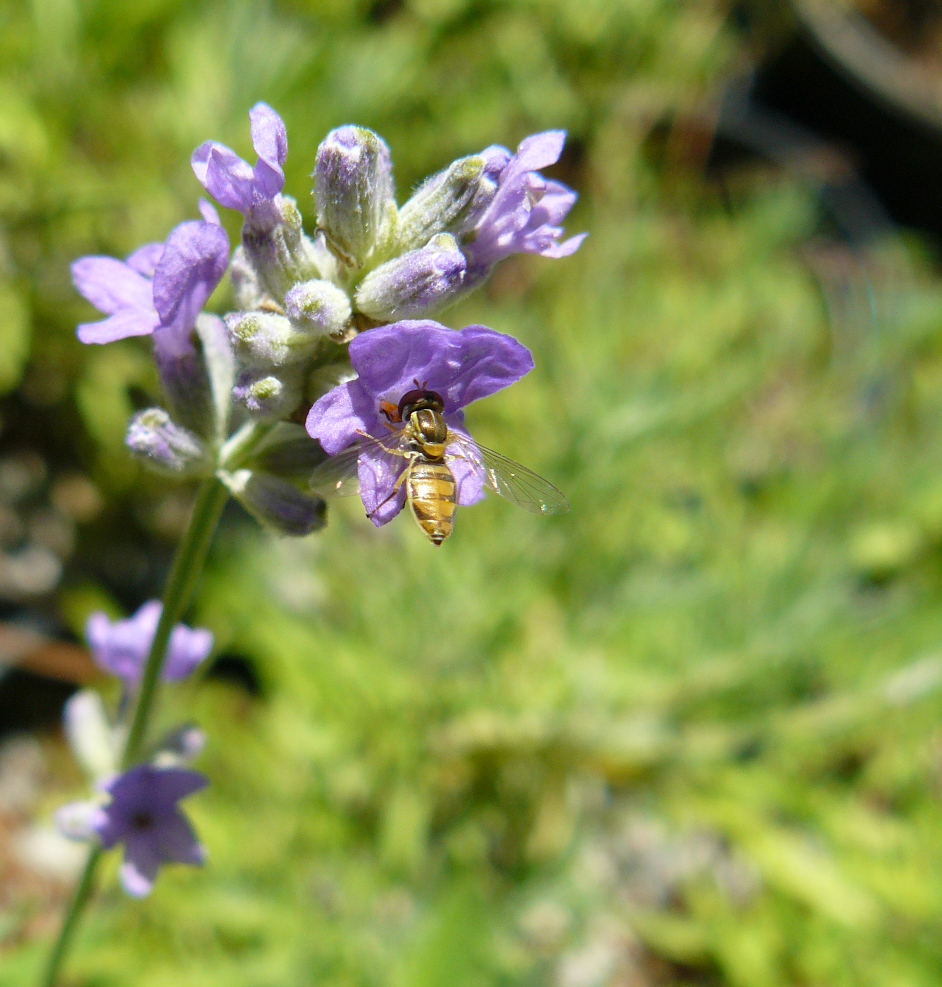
143	815
158	291
121	647
234	183
525	214
462	367
415	283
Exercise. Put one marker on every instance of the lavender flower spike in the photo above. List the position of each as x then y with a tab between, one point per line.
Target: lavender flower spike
121	647
460	366
526	212
143	815
234	183
158	291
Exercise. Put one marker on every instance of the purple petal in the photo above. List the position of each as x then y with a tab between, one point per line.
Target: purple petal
169	785
227	178
208	212
462	366
141	863
145	259
554	204
539	150
496	159
188	648
377	473
110	828
270	141
177	842
193	263
111	285
335	418
121	647
121	326
565	249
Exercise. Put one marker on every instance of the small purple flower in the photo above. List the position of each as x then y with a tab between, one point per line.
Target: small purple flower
460	366
234	183
143	815
526	212
121	647
158	291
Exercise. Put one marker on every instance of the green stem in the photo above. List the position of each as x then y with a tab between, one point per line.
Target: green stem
187	566
82	893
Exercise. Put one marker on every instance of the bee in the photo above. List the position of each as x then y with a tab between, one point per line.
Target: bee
419	434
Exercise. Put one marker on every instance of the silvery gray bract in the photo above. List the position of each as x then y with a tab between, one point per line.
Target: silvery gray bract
353	190
317	307
417	283
165	446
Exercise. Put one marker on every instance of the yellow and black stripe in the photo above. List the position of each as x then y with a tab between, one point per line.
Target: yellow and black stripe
430	492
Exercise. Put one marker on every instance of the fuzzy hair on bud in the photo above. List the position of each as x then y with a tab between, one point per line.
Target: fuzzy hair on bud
317	308
263	340
353	188
417	283
446	203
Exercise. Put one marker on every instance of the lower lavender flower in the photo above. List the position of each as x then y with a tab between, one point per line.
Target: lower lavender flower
121	647
143	815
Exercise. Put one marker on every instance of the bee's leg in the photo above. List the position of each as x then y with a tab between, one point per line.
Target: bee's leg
386	449
393	492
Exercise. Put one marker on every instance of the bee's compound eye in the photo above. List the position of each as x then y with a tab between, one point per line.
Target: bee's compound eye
407	403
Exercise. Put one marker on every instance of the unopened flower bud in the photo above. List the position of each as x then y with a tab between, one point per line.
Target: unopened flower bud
317	308
264	340
414	284
180	747
245	284
276	503
353	188
77	820
154	437
281	255
269	396
446	203
89	734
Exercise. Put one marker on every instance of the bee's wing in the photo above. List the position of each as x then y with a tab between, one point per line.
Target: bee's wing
337	475
510	480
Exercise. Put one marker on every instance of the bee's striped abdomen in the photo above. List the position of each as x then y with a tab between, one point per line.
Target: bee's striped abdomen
430	491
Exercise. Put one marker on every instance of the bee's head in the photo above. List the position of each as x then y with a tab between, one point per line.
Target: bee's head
418	399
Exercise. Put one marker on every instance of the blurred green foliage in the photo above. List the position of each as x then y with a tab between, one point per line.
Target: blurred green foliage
688	733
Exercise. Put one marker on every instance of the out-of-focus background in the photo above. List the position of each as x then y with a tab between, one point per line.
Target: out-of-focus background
689	733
